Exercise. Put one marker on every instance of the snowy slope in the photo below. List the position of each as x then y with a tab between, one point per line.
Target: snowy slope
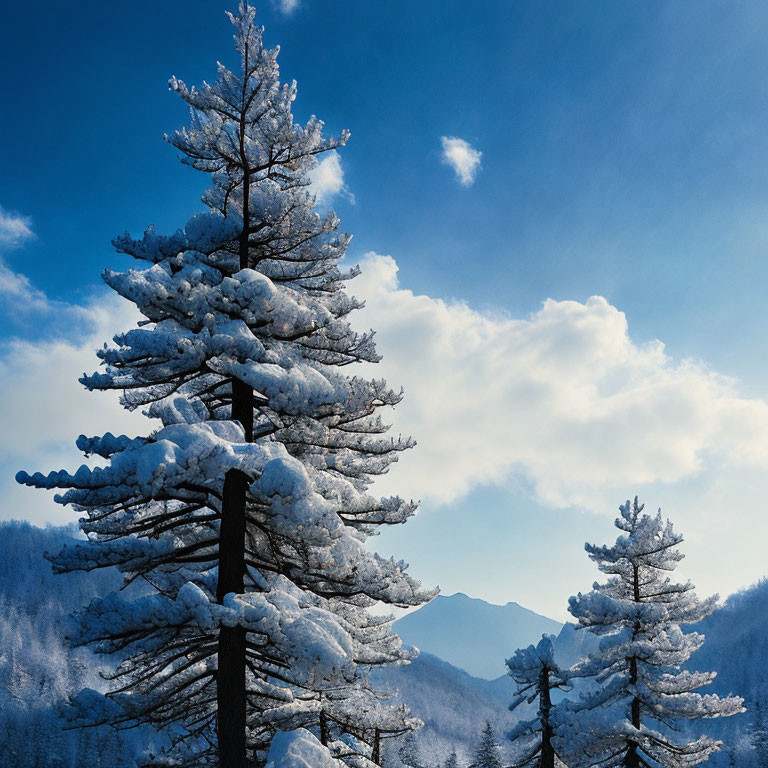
453	705
38	670
736	646
26	576
471	634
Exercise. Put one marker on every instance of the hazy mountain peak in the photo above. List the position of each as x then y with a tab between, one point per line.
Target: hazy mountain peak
473	634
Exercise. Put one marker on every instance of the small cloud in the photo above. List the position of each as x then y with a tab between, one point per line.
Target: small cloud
462	157
287	6
14	228
327	180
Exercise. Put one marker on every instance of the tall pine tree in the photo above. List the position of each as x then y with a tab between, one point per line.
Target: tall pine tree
246	509
631	717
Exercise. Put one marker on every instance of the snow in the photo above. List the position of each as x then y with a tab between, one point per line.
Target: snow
299	749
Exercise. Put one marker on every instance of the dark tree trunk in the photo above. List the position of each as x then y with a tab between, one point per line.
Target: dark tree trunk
242	408
376	753
545	701
230	678
324	735
632	758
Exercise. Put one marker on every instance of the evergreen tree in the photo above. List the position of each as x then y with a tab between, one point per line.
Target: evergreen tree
452	761
246	510
408	752
536	674
631	717
487	753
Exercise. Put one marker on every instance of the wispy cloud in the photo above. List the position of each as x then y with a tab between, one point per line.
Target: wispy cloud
16	288
14	228
462	157
43	407
327	179
287	6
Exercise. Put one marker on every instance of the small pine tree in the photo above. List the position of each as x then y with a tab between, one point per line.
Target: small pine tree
642	693
409	753
487	753
537	674
452	761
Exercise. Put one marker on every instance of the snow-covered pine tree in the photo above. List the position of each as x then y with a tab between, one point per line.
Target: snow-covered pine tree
245	512
631	718
452	761
536	674
487	752
409	752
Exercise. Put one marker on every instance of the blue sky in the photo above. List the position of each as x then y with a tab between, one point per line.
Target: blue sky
624	155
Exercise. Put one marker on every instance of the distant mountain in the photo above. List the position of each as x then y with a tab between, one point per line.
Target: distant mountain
455	706
471	634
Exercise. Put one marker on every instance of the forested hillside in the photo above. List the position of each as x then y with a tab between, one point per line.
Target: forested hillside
453	705
737	646
38	669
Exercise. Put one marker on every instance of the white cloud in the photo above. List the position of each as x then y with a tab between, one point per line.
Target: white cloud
462	157
14	228
564	403
564	399
43	402
327	179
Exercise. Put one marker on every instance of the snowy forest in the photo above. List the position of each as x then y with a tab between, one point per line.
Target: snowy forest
222	602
